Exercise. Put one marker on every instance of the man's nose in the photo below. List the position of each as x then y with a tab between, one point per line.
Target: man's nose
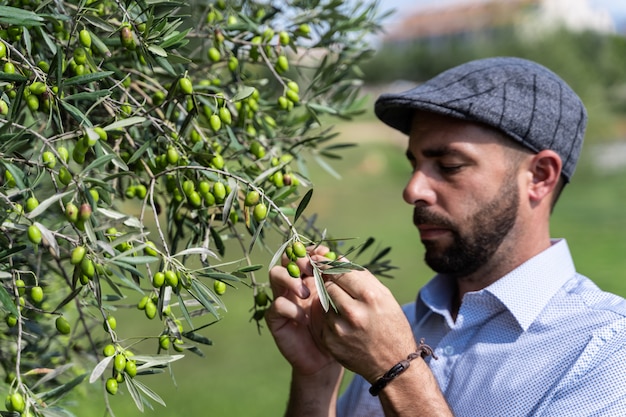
419	189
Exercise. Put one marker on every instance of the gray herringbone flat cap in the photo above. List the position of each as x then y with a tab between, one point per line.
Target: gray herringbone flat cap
521	98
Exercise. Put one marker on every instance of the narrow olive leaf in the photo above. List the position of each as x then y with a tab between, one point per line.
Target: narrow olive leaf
250	268
157	50
228	203
50	240
221	276
326	167
87	78
321	289
75	113
7	301
278	254
303	204
218	241
125	123
205	297
55	411
5	76
43	206
61	390
148	392
49	376
67	299
13	16
138	260
196	251
367	244
91	95
198	338
98	162
139	152
99	369
7	253
134	393
18	175
126	267
381	254
244	93
149	361
183	309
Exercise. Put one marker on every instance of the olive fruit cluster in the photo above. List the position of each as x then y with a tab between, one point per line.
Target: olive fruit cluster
124	366
293	252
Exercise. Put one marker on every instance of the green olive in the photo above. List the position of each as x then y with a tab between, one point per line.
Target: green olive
282	64
225	115
293	269
150	309
172	155
85	38
119	362
252	198
215	122
219	287
111	386
185	85
34	234
164	342
65	177
48	159
71	212
11	320
36	294
219	191
87	267
171	278
17	402
31	204
62	325
109	350
261	299
259	212
158	279
78	254
131	368
213	54
299	250
21	286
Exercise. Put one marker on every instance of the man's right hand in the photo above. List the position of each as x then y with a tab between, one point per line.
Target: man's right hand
316	375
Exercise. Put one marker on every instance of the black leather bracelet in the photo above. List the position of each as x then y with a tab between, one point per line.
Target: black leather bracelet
423	350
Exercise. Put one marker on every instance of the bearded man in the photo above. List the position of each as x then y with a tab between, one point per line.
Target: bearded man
506	327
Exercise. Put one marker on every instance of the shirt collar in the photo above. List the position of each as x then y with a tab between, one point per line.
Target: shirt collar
525	291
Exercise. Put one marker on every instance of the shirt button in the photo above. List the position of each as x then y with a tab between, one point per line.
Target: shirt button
448	350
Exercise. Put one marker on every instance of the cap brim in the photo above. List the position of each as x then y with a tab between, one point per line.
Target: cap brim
397	110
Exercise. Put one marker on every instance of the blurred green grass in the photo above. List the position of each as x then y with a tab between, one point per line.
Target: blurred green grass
243	374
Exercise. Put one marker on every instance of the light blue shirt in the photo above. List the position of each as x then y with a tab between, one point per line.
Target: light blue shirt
541	341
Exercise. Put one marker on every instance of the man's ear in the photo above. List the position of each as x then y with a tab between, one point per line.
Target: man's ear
545	170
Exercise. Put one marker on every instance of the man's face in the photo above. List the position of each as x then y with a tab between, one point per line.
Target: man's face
464	192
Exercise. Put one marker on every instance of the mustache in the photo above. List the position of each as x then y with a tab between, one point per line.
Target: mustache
422	215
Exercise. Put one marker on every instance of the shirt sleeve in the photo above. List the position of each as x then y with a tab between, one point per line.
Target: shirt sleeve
356	401
597	390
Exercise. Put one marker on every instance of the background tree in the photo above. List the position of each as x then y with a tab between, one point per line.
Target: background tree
149	150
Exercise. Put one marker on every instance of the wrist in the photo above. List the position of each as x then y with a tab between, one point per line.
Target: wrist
422	351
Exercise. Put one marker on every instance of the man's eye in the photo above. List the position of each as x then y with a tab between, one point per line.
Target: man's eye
450	169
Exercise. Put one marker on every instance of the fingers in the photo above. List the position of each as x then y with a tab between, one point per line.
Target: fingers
283	310
283	284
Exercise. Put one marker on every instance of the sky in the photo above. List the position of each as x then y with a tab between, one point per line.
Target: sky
617	8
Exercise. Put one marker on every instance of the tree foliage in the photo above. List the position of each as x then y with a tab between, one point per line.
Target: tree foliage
147	149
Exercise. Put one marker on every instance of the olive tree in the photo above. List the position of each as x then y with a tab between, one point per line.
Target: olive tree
148	150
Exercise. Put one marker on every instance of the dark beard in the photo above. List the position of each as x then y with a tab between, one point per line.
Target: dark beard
488	228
